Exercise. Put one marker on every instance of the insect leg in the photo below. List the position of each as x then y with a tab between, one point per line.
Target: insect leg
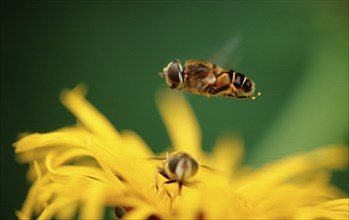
221	84
162	173
208	83
205	88
223	80
170	181
180	185
218	90
156	182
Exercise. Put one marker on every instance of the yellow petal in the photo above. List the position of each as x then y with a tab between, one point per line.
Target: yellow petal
93	203
181	123
30	202
334	157
136	145
296	168
68	212
59	204
51	139
227	154
333	209
87	114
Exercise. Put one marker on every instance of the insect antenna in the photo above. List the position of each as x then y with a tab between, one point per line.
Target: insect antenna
156	158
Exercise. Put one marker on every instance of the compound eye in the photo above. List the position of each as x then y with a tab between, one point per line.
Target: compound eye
173	164
194	166
174	72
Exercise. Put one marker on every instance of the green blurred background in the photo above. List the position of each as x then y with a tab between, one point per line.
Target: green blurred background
296	52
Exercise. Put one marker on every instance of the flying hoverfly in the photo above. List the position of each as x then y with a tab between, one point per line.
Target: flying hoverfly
205	78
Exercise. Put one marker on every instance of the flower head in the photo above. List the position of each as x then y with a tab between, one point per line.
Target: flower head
82	169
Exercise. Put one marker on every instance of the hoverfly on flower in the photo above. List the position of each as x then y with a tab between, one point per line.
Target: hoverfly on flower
206	78
177	167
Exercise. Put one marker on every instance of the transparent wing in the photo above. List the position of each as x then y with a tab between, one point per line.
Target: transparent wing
226	55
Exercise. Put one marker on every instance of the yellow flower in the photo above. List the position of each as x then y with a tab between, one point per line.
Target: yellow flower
79	171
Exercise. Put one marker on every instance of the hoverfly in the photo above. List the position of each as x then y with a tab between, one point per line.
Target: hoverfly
205	78
178	167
